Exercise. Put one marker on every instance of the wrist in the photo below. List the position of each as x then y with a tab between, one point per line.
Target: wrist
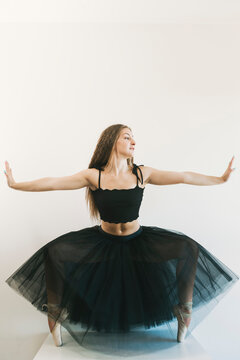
221	179
13	185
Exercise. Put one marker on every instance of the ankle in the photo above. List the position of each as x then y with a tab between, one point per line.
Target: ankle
186	310
186	307
51	323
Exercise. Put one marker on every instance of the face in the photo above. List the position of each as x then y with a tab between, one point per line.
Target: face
126	143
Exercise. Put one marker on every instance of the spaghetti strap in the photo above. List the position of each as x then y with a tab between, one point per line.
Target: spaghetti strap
141	173
99	178
134	170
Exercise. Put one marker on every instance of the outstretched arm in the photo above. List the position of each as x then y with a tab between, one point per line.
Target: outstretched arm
75	181
162	177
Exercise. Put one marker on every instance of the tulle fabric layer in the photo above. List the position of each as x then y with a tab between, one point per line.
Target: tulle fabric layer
114	284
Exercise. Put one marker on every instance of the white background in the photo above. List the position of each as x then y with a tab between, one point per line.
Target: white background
169	70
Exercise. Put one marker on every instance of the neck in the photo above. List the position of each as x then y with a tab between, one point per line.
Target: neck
117	168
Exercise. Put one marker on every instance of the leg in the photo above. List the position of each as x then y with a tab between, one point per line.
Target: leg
54	326
54	287
54	282
186	271
186	251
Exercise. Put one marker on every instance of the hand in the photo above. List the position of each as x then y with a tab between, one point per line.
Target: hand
227	173
8	173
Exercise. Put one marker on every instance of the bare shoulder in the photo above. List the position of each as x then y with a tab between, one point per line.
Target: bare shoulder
150	176
146	171
92	175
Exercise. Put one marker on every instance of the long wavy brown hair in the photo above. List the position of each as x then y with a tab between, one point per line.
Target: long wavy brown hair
101	157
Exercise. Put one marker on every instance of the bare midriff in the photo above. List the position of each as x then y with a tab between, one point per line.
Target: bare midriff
121	228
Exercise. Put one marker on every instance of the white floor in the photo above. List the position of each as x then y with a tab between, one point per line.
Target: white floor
151	344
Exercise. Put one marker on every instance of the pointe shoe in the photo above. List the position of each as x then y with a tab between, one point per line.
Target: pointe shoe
56	334
56	330
181	315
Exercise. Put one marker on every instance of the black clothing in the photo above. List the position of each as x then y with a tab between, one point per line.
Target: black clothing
119	205
113	283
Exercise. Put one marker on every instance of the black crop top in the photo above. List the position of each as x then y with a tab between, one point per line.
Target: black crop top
119	205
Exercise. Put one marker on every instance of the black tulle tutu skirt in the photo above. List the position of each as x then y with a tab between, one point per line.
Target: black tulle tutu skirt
91	280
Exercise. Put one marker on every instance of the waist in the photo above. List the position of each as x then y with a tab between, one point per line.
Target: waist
121	237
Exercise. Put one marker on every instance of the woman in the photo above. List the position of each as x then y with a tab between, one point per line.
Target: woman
119	275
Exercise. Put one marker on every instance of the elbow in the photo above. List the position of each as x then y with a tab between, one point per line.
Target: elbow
49	184
185	177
